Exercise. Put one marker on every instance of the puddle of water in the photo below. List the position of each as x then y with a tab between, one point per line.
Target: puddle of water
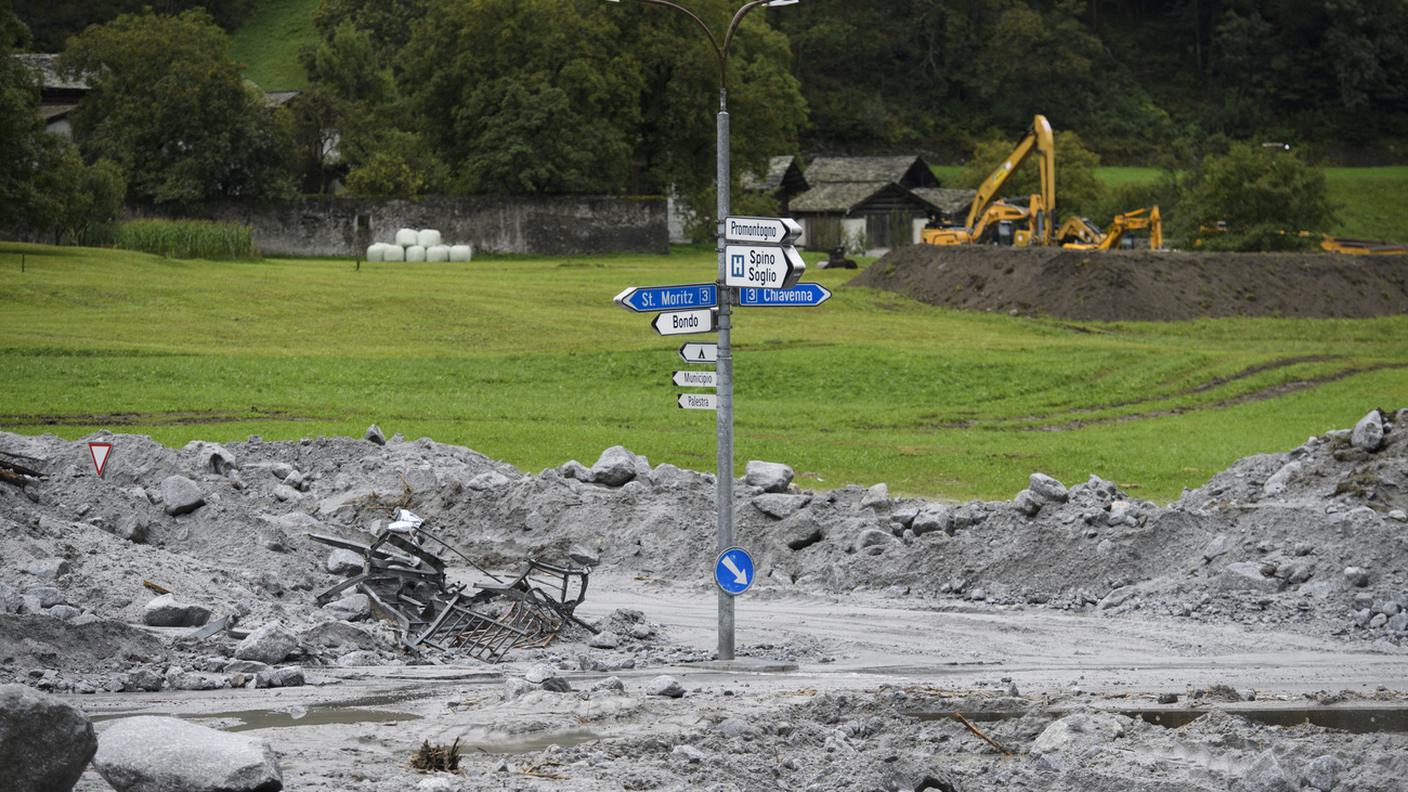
1356	720
296	715
532	743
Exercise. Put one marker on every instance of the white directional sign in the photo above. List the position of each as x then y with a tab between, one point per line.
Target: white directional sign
700	353
685	322
698	401
696	379
763	266
768	230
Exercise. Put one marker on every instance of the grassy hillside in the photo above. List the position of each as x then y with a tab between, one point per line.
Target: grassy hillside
269	41
528	360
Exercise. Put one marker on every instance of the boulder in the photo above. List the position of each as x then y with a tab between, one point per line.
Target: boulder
44	742
48	568
375	435
1369	432
287	676
572	469
615	467
604	640
1078	732
664	685
271	643
347	563
875	538
1356	576
181	495
1266	775
878	495
167	611
780	505
489	480
538	673
218	459
1277	483
1047	488
157	754
1247	576
353	607
1321	773
933	517
1028	503
768	476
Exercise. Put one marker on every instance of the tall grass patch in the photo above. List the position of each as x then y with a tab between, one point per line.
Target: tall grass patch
205	239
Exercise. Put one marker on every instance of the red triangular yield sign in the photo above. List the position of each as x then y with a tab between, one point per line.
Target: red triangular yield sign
100	452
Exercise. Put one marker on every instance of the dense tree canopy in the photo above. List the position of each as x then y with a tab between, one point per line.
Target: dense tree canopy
168	104
53	21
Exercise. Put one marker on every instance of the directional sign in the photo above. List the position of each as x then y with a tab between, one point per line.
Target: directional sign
700	353
685	322
100	453
803	295
696	379
698	401
763	266
768	230
733	572
648	299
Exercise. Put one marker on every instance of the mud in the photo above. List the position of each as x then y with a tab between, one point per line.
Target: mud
1143	285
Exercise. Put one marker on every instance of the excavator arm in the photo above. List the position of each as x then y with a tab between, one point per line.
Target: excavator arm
1039	139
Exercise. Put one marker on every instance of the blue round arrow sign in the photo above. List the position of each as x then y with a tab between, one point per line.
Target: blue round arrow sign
733	571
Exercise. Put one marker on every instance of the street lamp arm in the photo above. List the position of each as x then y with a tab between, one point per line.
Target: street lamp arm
719	51
738	20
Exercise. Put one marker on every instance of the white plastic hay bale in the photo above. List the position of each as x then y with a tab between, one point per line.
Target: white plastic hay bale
394	253
376	252
428	238
415	253
407	237
460	253
437	253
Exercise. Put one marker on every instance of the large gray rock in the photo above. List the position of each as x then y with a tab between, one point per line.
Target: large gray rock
875	538
1047	488
353	607
218	458
1078	732
932	518
167	611
664	685
768	476
154	754
1369	432
347	563
271	643
615	467
1321	773
1028	502
780	505
489	480
44	742
181	495
375	435
1277	483
1266	775
1247	576
287	676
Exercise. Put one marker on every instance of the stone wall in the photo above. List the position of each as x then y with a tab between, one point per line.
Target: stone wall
547	225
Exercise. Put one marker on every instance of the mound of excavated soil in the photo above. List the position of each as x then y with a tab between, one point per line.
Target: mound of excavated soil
1144	285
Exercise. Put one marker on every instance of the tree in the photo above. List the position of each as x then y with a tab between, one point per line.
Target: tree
169	106
54	21
70	197
1263	198
348	89
1077	188
389	22
392	163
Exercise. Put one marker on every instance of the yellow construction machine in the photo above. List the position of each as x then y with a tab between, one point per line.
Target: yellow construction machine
1078	233
989	217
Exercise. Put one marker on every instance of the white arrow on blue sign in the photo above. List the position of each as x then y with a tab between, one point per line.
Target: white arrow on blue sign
648	299
733	572
685	322
763	266
803	295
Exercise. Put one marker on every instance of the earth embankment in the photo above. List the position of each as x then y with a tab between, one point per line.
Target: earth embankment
1143	285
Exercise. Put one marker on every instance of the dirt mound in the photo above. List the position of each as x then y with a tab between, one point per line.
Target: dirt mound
1144	285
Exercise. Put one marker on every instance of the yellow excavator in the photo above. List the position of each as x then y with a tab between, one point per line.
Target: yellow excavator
988	216
1078	233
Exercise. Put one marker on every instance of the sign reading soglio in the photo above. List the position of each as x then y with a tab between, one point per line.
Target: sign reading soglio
767	230
763	266
685	322
698	401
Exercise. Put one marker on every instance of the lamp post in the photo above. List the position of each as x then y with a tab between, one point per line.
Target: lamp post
723	494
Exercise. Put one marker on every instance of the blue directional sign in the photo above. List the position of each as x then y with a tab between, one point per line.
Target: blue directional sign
733	572
648	299
803	295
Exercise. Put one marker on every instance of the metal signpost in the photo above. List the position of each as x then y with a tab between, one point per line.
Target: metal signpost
768	262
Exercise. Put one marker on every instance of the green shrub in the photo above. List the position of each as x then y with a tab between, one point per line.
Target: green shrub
1262	199
188	238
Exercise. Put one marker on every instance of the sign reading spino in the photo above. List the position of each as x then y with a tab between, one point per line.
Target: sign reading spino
763	266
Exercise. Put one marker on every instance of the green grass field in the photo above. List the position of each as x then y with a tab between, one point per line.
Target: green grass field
529	361
269	41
